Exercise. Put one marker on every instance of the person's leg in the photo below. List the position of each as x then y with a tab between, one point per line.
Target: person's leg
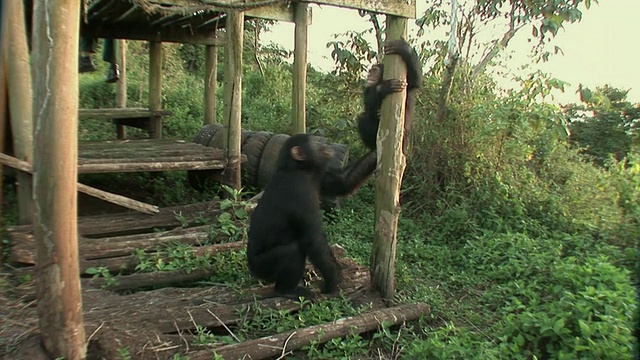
87	48
109	55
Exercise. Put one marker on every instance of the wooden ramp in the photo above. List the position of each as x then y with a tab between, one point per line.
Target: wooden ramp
122	312
147	155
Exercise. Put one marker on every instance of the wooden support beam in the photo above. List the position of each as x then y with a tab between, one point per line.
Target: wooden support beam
55	59
300	70
233	97
404	8
16	55
210	84
121	85
181	35
283	343
391	165
155	88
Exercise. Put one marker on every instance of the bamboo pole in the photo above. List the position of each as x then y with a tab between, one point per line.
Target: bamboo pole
55	58
16	55
155	88
100	194
299	85
391	162
121	85
233	96
210	84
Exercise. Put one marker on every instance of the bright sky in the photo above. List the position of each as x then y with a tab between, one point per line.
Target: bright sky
601	49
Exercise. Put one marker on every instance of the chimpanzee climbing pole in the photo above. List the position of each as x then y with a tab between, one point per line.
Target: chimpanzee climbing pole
391	164
55	66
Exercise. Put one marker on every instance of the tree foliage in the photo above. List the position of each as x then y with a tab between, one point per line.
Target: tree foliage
605	124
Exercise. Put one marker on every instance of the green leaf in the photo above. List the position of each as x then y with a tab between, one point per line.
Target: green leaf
558	326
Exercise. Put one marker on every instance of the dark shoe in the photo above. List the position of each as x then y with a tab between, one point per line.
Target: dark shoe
114	74
85	64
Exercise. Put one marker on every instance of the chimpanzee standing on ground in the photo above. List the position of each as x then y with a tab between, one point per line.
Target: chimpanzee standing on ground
286	226
376	89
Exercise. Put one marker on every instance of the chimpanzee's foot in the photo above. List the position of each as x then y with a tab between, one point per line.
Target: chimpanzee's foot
296	293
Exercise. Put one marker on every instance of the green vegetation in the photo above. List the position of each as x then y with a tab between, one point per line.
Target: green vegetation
520	219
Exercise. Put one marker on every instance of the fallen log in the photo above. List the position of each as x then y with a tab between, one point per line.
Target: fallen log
100	194
280	344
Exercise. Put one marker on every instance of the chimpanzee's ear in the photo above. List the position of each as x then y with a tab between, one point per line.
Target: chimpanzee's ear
296	153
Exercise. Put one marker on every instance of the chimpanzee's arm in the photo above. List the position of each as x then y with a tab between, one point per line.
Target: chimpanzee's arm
410	57
342	182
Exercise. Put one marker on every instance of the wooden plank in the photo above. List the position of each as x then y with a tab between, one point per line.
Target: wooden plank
151	166
210	84
133	31
120	113
155	87
100	194
130	223
404	8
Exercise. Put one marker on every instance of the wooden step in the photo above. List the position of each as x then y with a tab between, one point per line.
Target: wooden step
121	113
147	155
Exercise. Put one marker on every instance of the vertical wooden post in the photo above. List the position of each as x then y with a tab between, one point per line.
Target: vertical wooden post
233	96
3	113
210	84
299	85
121	85
55	58
391	162
16	54
155	87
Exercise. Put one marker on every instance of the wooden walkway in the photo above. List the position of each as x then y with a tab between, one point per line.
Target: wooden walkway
147	155
156	324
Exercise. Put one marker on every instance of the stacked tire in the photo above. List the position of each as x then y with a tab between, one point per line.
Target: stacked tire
261	149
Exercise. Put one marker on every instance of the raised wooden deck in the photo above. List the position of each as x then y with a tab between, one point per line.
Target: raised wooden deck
147	155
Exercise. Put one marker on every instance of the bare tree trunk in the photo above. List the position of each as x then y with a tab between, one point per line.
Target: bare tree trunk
55	58
391	164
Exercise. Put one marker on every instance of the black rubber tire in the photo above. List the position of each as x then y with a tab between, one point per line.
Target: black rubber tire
253	147
198	178
204	136
269	159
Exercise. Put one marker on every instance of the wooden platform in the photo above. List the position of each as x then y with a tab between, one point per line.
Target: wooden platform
147	155
122	312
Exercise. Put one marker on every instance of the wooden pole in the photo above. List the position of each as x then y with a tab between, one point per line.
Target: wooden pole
391	162
233	96
121	85
16	54
210	84
55	58
4	116
155	88
299	85
279	345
